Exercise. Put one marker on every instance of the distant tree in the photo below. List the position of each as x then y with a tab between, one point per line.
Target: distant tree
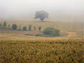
0	24
20	27
51	32
4	24
41	14
14	26
9	26
30	27
34	27
39	28
24	28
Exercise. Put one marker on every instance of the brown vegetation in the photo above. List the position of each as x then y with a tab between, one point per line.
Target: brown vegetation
42	51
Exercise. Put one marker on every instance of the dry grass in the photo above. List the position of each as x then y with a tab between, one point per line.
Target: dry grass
15	47
19	36
42	51
73	28
63	26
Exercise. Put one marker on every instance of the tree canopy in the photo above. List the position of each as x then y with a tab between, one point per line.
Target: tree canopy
14	26
24	28
41	14
4	24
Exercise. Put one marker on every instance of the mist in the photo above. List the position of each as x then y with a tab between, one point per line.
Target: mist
59	10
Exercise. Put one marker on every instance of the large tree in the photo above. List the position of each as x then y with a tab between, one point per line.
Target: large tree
41	14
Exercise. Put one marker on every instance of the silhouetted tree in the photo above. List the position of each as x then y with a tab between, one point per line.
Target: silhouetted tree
4	24
39	28
41	14
34	27
30	27
9	26
0	24
24	28
14	26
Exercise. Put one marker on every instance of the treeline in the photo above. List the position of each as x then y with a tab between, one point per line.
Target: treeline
49	31
16	27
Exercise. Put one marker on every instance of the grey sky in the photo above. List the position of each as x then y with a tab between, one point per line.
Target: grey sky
27	8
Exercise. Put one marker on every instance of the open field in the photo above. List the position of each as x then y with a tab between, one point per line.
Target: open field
63	26
16	47
42	51
72	29
20	35
42	31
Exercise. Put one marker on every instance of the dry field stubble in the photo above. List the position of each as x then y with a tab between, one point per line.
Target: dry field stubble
42	51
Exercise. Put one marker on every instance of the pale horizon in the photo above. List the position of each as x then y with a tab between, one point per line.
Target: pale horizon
59	10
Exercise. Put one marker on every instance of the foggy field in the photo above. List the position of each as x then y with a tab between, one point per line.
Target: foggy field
67	29
17	47
64	26
41	31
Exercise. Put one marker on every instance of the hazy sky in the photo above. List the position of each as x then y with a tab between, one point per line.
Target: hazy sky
57	9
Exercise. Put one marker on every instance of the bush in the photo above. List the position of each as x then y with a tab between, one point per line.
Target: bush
30	27
39	35
14	26
39	28
51	32
4	24
0	24
24	28
29	34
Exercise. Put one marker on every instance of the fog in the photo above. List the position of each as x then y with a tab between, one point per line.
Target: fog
59	10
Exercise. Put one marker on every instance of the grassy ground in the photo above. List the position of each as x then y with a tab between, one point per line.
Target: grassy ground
63	26
42	51
21	36
16	47
73	29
